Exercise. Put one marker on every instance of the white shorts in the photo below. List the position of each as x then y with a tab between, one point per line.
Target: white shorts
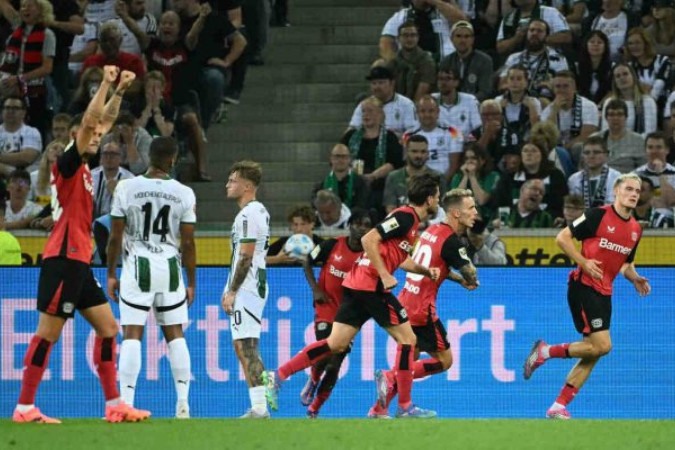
246	320
157	284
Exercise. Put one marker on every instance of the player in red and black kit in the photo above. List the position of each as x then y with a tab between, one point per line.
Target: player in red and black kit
367	294
610	237
337	256
438	246
66	281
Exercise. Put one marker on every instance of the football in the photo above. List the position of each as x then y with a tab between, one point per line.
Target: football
298	246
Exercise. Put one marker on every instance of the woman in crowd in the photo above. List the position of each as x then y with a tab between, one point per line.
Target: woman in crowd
652	69
593	67
89	82
662	30
476	173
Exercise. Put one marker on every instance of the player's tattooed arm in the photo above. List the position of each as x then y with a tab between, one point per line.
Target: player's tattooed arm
254	365
243	266
470	274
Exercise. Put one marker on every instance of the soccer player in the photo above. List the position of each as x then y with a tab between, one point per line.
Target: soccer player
337	257
610	237
246	290
154	216
66	281
438	246
367	294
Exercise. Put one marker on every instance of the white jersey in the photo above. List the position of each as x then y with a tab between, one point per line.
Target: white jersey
154	209
252	224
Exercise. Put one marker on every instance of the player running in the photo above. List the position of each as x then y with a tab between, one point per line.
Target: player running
246	290
610	237
66	281
367	294
337	256
439	246
154	216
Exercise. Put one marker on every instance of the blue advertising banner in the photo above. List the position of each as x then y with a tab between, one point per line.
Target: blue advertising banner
490	330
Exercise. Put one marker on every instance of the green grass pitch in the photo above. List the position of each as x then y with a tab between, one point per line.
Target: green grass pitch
331	434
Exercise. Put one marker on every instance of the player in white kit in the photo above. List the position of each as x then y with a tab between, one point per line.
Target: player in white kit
245	293
153	216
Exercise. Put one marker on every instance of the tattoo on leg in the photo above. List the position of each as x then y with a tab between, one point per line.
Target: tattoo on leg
254	365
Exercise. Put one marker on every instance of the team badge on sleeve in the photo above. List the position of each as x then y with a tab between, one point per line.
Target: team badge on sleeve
579	220
463	254
390	225
315	252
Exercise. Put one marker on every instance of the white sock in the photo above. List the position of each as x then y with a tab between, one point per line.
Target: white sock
258	401
556	406
179	358
546	351
24	408
129	368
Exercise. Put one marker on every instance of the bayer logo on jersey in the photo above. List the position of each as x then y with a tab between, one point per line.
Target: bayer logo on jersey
298	246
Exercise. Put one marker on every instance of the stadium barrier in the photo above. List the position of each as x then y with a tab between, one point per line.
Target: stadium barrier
491	330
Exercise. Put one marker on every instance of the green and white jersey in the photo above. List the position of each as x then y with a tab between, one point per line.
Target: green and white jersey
252	224
153	209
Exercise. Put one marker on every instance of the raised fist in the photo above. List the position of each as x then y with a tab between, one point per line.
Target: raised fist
126	79
110	73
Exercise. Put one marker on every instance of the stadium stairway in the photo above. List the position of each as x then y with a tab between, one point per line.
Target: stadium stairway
296	106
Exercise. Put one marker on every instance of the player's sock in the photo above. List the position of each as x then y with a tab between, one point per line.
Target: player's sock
556	351
35	362
315	373
179	358
104	353
308	356
404	374
567	394
258	401
129	368
426	367
324	390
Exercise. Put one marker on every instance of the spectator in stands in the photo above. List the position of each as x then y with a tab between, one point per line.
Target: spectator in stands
134	142
106	176
414	68
575	116
491	136
99	11
416	163
215	44
625	146
594	67
534	165
40	186
60	125
89	82
652	69
595	182
528	212
10	249
301	220
155	115
662	29
549	133
20	144
256	17
457	109
25	68
279	15
19	211
475	67
573	208
433	19
541	61
671	134
520	110
615	23
574	12
83	46
514	27
377	147
445	144
342	180
135	24
476	174
399	111
110	40
486	247
643	211
642	113
331	213
662	176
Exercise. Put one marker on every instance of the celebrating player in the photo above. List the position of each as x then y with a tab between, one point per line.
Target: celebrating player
66	281
153	213
246	290
610	237
367	293
337	257
439	246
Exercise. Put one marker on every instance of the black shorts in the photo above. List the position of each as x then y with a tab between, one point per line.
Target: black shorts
359	306
66	285
591	311
431	337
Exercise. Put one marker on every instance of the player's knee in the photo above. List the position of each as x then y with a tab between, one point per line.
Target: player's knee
446	361
408	339
108	330
338	347
602	349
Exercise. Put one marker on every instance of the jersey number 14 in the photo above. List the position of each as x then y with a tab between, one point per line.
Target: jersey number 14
160	225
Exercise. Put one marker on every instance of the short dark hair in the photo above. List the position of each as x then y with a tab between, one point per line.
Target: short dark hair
19	174
446	67
546	25
162	150
14	97
616	104
658	135
596	140
407	24
421	187
125	118
62	117
248	170
521	68
566	74
304	211
415	138
76	120
358	214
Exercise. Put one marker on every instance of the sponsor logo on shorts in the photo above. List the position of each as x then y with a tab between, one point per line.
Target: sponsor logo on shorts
68	307
321	326
596	323
404	313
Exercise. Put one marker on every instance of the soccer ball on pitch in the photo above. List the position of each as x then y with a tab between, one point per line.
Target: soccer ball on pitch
298	246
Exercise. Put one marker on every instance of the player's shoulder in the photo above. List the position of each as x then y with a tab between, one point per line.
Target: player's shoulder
255	208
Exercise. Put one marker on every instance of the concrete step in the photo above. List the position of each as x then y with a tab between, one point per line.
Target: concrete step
279	171
306	73
289	152
341	15
293	113
324	54
224	211
328	34
291	132
303	93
